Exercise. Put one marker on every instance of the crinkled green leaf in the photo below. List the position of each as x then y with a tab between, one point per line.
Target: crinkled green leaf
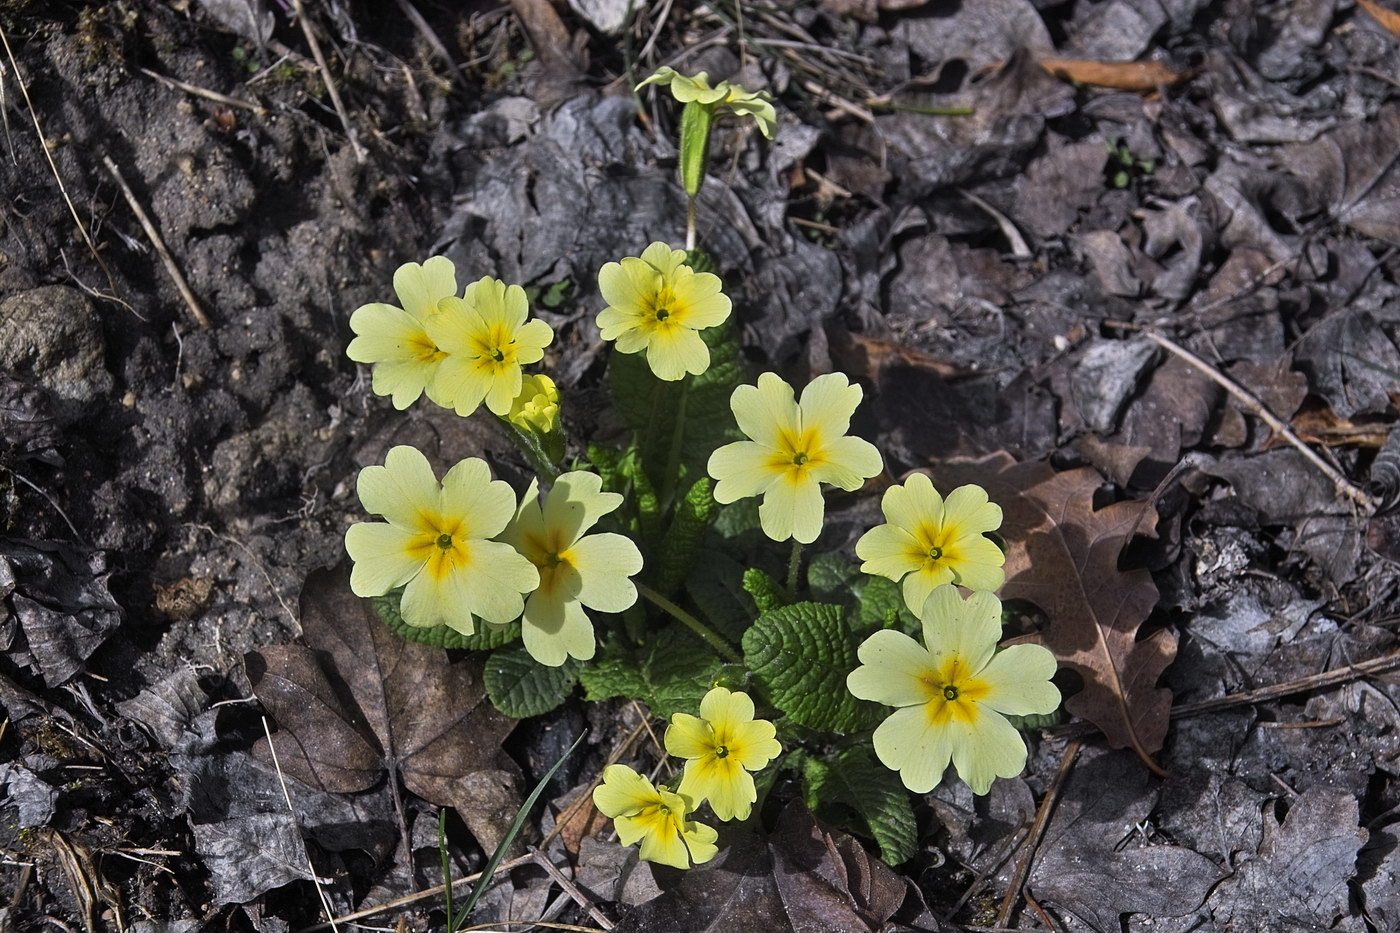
801	655
1038	720
670	674
520	686
766	592
738	520
486	636
681	546
854	779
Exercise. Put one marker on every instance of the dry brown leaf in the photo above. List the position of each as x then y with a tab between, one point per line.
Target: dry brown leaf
1387	18
359	700
1123	76
1063	556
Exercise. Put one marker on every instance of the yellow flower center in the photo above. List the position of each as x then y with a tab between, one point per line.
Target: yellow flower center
799	458
423	349
497	355
722	751
662	313
445	542
934	553
953	692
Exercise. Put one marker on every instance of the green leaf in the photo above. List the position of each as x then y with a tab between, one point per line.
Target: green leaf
652	407
834	578
855	780
682	543
607	463
716	585
643	496
767	593
670	674
486	636
738	520
520	686
695	144
801	655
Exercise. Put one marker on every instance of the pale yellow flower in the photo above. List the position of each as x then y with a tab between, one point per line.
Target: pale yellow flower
577	571
436	542
656	816
929	541
396	339
658	304
795	447
487	340
536	407
721	747
952	692
756	104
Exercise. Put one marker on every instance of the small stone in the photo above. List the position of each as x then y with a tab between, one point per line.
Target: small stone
53	336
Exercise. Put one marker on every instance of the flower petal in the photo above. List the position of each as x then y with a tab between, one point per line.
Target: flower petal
531	339
754	744
661	257
493	581
967	630
404	490
604	562
792	508
923	581
847	462
766	412
725	709
421	287
741	469
888	551
382	557
827	405
431	599
555	630
1017	681
914	504
484	504
986	749
623	792
575	503
723	782
665	848
676	351
910	743
966	511
977	563
892	669
700	840
689	736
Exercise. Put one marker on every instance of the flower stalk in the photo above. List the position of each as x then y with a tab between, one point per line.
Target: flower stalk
722	647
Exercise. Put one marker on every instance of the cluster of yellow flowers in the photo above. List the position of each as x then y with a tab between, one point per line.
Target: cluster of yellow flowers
464	549
721	747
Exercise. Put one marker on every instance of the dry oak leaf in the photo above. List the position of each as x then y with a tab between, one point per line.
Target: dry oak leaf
358	700
1063	556
1123	76
1387	18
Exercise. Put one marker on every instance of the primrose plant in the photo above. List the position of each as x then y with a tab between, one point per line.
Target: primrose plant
861	685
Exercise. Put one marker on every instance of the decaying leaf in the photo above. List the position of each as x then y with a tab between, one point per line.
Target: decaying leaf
1298	879
1123	76
1086	866
802	879
359	700
1063	556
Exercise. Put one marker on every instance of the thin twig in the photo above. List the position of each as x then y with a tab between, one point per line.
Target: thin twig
330	82
56	507
181	285
1303	684
407	899
204	92
571	889
1257	408
1042	819
426	31
287	796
